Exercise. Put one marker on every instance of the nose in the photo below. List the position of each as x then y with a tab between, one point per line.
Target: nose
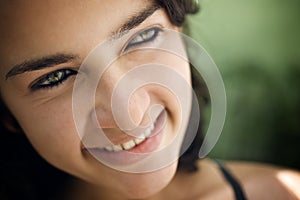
138	101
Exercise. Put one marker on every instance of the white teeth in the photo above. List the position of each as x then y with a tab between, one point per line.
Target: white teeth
151	127
117	148
139	140
109	148
132	143
128	145
147	132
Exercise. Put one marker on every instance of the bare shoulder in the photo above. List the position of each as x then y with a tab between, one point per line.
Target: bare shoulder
262	181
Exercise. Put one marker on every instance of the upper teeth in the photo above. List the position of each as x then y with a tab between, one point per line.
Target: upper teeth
132	143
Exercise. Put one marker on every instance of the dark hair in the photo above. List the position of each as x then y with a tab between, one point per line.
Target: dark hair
177	11
24	170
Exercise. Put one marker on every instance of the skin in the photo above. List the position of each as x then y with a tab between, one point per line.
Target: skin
46	115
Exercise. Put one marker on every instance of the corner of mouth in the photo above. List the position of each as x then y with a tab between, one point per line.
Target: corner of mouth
133	143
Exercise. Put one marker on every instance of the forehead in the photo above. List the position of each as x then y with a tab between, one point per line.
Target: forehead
35	28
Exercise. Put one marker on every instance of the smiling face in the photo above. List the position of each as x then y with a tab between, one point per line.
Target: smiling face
43	46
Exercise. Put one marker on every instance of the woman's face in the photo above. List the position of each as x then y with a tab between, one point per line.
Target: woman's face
43	44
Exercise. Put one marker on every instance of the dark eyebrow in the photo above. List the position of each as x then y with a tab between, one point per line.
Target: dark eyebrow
41	63
52	60
136	20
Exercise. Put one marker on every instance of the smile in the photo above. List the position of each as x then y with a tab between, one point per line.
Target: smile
132	143
147	141
134	150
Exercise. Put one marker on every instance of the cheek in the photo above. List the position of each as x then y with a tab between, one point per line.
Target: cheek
179	64
51	130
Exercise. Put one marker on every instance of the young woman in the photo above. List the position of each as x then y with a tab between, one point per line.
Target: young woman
43	45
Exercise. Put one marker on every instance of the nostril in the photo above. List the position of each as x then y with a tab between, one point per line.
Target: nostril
122	115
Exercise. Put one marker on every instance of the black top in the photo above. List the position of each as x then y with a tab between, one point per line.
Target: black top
237	188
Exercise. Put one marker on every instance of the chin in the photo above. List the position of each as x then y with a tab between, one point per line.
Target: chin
140	186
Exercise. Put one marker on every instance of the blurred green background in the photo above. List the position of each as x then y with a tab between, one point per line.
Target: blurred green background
256	45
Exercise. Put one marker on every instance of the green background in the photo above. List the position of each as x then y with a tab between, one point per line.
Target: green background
256	46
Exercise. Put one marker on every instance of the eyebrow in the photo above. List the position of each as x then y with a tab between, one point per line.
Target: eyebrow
52	60
136	20
41	63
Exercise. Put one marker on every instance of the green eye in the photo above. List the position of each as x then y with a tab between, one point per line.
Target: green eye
144	37
52	79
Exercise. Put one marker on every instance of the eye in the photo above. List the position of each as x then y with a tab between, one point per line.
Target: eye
52	79
143	37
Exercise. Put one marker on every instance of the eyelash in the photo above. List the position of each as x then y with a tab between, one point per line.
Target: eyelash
58	77
61	75
144	37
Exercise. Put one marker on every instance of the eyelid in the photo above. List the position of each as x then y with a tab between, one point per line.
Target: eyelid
157	28
33	86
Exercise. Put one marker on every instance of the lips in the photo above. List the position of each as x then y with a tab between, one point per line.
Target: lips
147	142
132	143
